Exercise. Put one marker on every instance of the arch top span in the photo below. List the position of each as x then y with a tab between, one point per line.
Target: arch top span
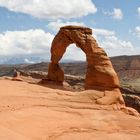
85	30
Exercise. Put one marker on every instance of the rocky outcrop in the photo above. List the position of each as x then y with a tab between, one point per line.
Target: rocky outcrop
55	73
132	101
127	67
100	73
33	74
16	76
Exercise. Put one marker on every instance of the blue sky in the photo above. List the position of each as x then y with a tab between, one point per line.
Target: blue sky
27	28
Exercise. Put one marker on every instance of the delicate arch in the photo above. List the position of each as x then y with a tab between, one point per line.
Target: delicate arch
100	73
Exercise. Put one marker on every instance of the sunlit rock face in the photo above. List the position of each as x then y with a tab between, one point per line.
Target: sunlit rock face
100	73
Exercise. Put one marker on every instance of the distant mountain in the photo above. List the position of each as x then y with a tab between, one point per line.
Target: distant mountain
21	60
127	67
29	60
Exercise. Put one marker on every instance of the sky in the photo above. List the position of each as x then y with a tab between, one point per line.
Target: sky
27	27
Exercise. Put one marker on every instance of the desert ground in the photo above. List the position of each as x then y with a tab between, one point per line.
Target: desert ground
35	112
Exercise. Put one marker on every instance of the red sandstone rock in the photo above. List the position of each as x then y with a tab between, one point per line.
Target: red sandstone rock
16	76
100	72
55	73
33	112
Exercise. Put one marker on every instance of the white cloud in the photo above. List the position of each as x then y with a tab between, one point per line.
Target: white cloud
25	42
55	25
28	61
116	14
30	43
74	53
112	44
38	42
137	30
103	32
115	43
53	9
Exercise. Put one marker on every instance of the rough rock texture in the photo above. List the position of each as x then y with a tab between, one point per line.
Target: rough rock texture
34	112
16	76
127	67
132	101
55	73
100	73
34	74
75	83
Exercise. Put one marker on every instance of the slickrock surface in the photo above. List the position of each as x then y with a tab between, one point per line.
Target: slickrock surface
35	112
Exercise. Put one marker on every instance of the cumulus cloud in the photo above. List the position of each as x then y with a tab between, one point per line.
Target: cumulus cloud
112	44
55	25
53	9
28	42
137	30
103	32
28	61
74	53
37	42
116	13
115	43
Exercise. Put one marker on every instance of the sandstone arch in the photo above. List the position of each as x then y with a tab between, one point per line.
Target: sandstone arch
100	73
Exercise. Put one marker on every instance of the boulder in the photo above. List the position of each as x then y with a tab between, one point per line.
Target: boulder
16	76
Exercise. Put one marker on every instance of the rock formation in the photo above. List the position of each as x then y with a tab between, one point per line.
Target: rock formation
16	76
100	72
33	112
132	101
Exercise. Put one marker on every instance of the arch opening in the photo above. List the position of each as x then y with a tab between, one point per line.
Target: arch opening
73	63
73	54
